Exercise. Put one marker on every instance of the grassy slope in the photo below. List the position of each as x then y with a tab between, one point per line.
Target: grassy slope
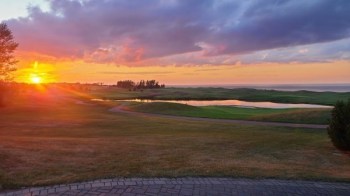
324	98
311	116
45	141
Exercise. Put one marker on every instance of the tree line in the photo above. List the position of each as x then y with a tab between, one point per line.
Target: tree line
142	84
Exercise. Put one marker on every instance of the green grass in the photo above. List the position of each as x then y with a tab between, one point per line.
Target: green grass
323	98
52	139
309	116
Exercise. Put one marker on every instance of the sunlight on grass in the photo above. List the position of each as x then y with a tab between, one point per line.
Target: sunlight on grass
63	137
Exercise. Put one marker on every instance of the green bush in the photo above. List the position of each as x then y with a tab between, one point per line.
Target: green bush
339	126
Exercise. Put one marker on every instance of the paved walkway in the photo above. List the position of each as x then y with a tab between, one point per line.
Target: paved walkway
244	122
190	186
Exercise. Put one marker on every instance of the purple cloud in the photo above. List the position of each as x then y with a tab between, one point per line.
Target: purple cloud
123	31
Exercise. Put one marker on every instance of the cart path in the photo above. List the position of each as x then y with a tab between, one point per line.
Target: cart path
244	122
189	186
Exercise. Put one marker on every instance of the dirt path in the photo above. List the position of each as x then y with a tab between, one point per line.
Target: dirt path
244	122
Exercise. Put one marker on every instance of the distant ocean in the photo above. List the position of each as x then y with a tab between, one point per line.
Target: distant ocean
284	87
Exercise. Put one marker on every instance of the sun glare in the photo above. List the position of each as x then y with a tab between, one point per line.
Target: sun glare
36	79
36	74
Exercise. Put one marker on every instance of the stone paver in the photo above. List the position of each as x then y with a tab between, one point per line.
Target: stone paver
189	186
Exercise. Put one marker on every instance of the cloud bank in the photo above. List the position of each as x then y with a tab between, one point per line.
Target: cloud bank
186	31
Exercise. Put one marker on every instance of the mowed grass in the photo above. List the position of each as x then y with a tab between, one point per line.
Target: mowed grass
308	116
323	98
46	140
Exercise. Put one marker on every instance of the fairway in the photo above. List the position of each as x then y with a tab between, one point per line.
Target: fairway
244	94
306	116
49	140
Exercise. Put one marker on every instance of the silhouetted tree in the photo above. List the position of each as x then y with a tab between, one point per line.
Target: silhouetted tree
7	47
126	84
142	84
339	126
7	59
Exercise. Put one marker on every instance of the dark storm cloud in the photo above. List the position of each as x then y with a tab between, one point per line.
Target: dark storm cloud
134	30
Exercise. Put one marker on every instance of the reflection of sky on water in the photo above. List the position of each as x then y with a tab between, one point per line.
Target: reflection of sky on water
237	103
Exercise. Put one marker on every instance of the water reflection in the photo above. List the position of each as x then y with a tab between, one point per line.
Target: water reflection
236	103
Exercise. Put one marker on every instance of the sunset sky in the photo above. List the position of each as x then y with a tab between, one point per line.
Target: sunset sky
181	41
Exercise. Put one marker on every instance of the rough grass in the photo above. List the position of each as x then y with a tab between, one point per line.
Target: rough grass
323	98
49	140
308	116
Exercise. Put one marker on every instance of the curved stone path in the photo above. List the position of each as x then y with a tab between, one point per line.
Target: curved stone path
189	186
244	122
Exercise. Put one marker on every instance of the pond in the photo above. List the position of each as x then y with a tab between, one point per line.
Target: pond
233	102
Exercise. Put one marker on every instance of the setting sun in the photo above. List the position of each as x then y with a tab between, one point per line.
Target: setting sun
37	73
36	79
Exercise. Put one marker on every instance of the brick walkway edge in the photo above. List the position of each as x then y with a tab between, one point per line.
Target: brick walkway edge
189	186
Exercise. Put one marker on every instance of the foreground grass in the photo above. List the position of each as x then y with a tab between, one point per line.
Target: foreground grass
308	116
323	98
47	141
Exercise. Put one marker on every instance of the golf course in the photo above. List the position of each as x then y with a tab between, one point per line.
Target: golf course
174	97
50	136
